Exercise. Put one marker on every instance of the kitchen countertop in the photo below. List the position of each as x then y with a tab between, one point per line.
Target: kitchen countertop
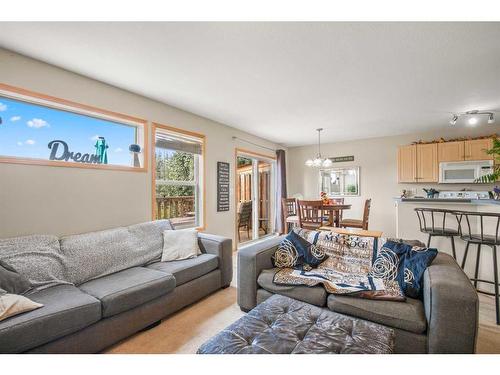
449	201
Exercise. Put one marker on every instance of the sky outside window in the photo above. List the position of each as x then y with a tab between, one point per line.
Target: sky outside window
26	130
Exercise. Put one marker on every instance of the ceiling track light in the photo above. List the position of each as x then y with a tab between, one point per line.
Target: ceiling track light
473	117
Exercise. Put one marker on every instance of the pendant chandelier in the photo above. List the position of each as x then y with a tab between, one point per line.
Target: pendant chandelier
318	161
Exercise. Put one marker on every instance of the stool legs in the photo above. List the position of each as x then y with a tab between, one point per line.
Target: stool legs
429	241
476	272
495	270
453	247
465	255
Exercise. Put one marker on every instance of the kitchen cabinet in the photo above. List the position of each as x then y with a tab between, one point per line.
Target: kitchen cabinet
451	151
427	163
407	163
475	149
418	163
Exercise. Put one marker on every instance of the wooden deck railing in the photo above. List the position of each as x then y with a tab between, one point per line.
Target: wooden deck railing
175	207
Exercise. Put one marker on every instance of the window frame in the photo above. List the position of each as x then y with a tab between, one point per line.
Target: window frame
202	186
64	105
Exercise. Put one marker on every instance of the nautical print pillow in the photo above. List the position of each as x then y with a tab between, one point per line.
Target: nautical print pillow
295	252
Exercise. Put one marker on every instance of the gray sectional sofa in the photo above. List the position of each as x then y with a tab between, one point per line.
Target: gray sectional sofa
101	287
445	321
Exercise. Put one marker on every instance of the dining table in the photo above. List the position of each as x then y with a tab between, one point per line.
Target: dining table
334	211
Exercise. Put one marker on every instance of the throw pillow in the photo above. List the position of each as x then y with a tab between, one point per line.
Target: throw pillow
294	251
387	264
403	263
416	262
14	304
11	281
180	244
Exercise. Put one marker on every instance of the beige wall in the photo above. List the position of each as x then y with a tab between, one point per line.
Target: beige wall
377	159
41	199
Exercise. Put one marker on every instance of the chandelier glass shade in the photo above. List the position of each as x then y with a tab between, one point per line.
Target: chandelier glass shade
319	161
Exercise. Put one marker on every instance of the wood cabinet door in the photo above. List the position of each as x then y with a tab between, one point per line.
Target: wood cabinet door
451	151
407	163
427	163
474	149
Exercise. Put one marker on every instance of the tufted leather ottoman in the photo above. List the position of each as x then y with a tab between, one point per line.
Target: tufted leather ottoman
282	325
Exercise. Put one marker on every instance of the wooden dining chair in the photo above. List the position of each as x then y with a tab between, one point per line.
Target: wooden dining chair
355	223
340	212
310	214
290	216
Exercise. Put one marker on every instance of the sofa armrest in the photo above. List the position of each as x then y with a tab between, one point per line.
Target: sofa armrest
251	261
223	248
451	307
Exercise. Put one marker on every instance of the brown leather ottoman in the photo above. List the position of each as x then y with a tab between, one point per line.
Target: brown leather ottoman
282	325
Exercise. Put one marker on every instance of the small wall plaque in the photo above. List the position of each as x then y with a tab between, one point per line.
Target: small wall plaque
222	186
340	159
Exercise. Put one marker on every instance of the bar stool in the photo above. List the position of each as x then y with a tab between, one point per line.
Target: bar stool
492	240
430	223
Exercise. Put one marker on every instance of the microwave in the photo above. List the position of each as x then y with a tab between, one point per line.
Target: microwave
463	172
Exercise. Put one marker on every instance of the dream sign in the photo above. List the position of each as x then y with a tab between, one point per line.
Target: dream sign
59	150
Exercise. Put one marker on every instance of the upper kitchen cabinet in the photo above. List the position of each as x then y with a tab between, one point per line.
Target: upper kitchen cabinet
418	163
427	163
475	149
407	163
451	151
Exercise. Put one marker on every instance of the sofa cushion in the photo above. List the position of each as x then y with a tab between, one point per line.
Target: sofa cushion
129	288
66	309
408	315
315	295
188	269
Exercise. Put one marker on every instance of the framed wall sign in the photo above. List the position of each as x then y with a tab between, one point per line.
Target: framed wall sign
222	186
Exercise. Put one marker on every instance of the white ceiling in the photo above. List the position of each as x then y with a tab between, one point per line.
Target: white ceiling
280	81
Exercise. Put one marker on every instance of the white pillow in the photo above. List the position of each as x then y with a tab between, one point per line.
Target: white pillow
180	244
14	304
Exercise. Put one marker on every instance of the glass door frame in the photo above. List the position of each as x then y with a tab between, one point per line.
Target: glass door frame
256	158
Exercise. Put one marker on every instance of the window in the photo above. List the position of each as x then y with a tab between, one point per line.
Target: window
178	177
340	181
37	129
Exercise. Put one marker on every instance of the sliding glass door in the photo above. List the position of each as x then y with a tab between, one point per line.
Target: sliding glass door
255	187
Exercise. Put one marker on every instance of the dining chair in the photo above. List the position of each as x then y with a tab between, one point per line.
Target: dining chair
355	223
340	212
245	218
310	214
290	215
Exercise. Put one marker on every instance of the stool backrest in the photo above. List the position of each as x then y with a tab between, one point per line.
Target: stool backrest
482	218
435	219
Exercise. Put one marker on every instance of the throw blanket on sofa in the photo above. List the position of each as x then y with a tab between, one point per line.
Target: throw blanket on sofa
345	271
47	260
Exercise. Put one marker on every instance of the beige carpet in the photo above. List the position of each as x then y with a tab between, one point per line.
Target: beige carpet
186	330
